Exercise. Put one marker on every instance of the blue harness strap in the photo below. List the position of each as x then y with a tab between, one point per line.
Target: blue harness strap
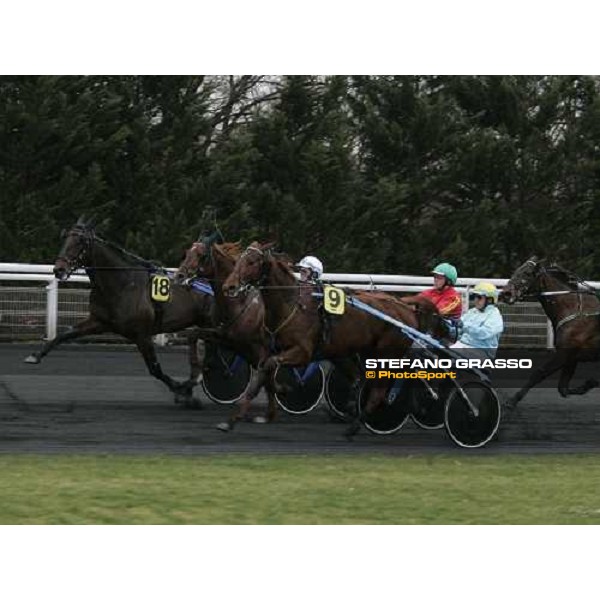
201	286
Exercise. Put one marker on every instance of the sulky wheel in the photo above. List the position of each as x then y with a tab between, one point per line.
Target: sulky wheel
472	414
386	418
299	388
341	394
428	403
225	375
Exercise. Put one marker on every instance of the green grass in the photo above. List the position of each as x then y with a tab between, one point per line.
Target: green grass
300	489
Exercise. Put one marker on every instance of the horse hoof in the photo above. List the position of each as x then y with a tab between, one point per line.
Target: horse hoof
260	420
509	405
350	433
225	427
33	359
193	404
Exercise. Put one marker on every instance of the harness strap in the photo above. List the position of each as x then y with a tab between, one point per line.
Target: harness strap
282	324
227	325
575	316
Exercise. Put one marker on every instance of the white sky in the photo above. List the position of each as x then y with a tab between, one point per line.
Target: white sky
312	36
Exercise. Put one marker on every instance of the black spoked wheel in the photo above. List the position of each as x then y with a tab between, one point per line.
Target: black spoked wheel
302	387
225	375
341	394
472	414
386	418
428	403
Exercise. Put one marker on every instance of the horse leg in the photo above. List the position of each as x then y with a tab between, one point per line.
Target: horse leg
88	327
146	348
554	364
264	373
376	397
194	358
350	369
565	378
272	403
195	374
258	381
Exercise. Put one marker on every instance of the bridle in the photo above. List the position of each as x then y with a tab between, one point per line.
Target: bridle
203	259
77	262
245	286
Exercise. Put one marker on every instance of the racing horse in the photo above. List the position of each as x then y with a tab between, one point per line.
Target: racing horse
294	322
120	301
573	308
239	319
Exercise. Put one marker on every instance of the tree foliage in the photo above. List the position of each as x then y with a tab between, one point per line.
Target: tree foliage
371	173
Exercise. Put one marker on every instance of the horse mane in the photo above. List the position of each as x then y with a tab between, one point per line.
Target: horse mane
283	261
230	250
90	229
565	276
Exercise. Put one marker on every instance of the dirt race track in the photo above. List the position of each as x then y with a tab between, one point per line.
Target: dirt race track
85	399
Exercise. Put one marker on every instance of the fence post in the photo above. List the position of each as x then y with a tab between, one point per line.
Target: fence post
549	335
465	306
51	309
160	339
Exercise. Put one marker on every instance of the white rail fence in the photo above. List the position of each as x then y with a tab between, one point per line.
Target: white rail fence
34	305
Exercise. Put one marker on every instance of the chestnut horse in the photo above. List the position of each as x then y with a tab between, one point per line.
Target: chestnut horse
120	301
294	322
573	308
239	319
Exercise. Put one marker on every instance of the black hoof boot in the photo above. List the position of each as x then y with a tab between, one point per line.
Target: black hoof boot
351	431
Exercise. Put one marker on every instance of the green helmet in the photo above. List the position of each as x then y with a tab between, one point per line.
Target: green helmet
448	271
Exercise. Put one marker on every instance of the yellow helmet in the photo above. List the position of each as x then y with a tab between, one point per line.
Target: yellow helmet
489	290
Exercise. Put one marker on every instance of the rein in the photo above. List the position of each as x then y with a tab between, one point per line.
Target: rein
89	238
226	325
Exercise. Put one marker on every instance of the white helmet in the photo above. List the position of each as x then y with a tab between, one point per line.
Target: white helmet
312	263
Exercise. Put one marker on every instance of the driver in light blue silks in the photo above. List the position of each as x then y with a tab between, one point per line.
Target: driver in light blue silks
482	325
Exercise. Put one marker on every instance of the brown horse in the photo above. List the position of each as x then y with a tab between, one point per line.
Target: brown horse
120	301
573	308
240	319
294	321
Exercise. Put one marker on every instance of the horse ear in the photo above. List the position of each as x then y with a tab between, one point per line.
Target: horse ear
268	246
81	220
91	222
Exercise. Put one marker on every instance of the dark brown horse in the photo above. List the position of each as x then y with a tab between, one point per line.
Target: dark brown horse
120	301
295	324
573	308
240	319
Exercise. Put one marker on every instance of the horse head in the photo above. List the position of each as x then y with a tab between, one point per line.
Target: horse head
523	280
196	261
249	270
75	251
